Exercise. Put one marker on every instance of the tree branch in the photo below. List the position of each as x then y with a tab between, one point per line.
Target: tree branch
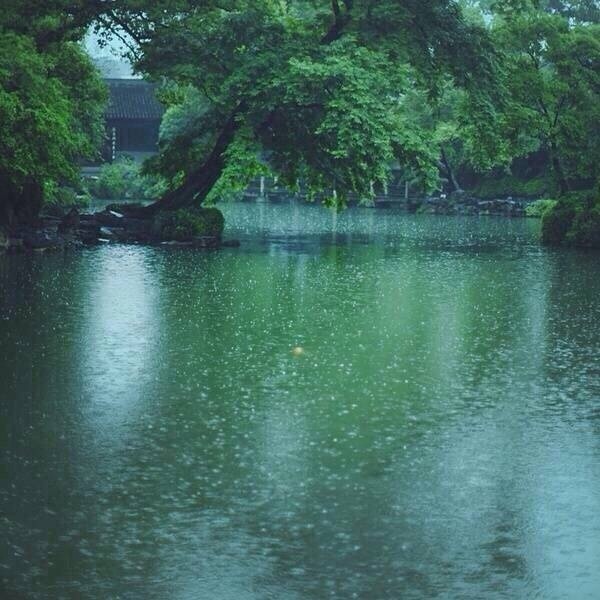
340	20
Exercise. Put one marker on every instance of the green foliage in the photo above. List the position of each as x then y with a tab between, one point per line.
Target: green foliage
51	102
189	223
550	78
538	208
585	229
556	224
327	94
61	199
124	179
493	185
316	89
574	221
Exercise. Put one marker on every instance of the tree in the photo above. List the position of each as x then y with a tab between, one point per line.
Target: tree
51	102
551	80
313	90
438	117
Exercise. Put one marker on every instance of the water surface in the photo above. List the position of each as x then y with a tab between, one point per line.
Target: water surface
439	437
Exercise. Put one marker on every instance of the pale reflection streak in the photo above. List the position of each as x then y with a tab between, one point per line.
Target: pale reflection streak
562	505
485	530
119	340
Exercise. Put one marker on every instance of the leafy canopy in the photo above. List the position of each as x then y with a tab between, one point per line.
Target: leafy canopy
550	79
316	88
51	98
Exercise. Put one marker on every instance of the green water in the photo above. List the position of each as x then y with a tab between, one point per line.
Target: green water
439	437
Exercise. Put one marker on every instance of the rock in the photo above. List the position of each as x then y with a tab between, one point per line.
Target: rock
176	243
129	228
122	235
231	244
107	233
70	221
14	244
88	236
89	229
207	241
41	239
457	195
137	225
48	221
109	218
126	209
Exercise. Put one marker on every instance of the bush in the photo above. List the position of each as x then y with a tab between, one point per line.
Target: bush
585	229
494	186
538	208
124	179
188	223
60	200
574	220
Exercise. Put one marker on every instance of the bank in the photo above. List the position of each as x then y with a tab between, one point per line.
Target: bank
198	228
574	220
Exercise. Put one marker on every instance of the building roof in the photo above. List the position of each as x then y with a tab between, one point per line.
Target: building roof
132	99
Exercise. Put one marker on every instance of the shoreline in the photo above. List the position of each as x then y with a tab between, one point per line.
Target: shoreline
79	230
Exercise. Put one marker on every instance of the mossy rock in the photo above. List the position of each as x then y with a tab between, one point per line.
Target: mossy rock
585	229
574	221
556	224
187	224
538	208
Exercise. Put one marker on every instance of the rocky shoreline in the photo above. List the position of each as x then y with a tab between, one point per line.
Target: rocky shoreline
76	230
464	204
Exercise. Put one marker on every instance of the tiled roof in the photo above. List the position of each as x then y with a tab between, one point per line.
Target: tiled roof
132	99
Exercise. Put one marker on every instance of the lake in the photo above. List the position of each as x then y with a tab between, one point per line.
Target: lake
365	405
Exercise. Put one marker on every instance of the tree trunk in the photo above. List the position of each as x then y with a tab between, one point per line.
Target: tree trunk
20	205
449	171
561	179
199	182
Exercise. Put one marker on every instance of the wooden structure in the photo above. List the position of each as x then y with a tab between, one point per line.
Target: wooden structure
133	117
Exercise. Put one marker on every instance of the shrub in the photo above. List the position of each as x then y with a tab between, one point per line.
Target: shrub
188	223
60	200
574	220
585	229
539	207
124	179
556	223
494	186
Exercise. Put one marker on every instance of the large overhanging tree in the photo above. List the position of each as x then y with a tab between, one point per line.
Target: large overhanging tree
311	89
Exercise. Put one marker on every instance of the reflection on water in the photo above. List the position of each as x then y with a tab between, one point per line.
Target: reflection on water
117	349
438	437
